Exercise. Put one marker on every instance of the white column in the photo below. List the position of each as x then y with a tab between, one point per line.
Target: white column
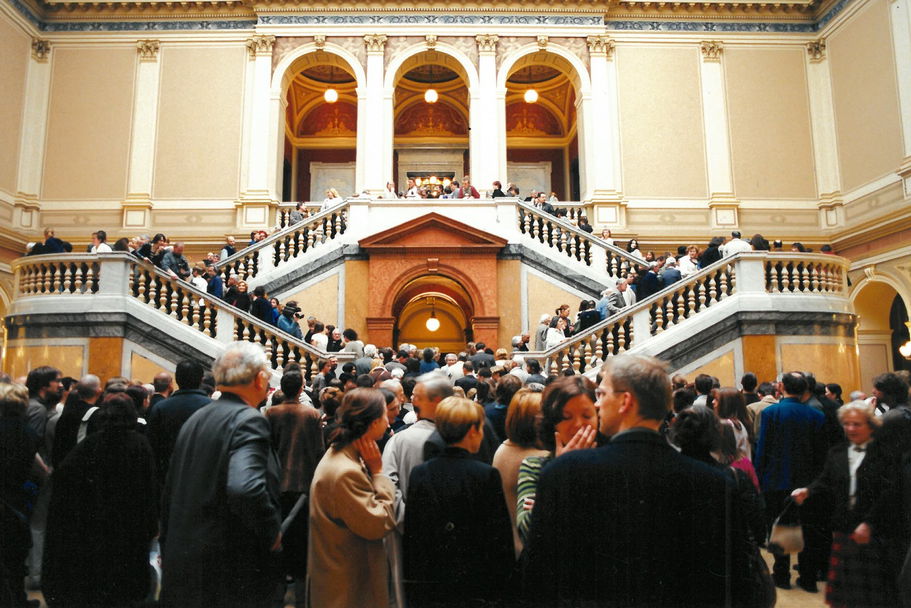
259	157
32	139
602	142
901	40
484	136
717	138
377	169
500	147
138	201
585	124
822	123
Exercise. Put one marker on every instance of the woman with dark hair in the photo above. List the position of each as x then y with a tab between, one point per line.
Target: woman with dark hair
798	248
351	509
633	247
833	393
103	514
122	244
427	362
712	253
568	422
732	410
759	243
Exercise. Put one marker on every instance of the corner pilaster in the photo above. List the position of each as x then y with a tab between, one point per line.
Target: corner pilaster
722	201
32	139
602	144
258	190
136	207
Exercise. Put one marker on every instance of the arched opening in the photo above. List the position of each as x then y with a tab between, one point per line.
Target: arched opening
881	330
439	297
321	119
430	126
542	135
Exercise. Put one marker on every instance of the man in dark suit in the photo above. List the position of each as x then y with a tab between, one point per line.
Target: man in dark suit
633	523
790	453
220	516
482	358
66	433
468	380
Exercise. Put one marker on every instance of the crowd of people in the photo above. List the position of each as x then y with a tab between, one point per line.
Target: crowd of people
424	478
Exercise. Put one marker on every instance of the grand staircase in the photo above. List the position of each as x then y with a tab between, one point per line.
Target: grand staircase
680	323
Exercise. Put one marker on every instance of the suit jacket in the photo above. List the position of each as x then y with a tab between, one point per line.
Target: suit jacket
791	449
458	536
350	513
221	510
165	420
833	485
616	524
482	359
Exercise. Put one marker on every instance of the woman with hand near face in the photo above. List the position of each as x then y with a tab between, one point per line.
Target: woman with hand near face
351	509
569	422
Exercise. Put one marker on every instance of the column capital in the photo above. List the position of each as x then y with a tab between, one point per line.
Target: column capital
711	50
260	45
376	43
147	49
487	43
600	46
41	50
542	42
816	50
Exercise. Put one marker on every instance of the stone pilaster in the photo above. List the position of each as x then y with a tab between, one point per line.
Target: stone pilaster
717	136
485	134
32	137
378	151
138	202
602	143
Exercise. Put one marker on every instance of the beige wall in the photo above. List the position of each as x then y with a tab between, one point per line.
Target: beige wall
769	117
89	123
545	297
866	96
199	122
509	302
319	300
14	48
661	127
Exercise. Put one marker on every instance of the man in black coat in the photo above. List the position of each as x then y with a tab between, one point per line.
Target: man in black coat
66	433
482	358
632	523
220	523
168	415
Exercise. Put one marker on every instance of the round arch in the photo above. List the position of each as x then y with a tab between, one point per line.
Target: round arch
472	295
396	63
873	299
292	63
580	76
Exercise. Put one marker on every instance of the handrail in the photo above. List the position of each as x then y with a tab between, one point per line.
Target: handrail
283	214
780	273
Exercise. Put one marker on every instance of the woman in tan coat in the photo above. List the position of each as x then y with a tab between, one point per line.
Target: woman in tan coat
351	509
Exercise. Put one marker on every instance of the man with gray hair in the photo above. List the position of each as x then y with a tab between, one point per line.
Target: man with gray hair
220	521
612	299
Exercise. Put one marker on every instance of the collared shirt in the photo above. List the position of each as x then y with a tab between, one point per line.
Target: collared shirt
856	455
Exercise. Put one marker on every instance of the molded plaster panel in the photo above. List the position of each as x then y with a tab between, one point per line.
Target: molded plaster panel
89	123
15	49
865	95
200	114
661	128
769	118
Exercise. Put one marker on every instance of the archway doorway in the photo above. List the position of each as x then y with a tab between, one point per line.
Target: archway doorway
542	139
433	296
881	330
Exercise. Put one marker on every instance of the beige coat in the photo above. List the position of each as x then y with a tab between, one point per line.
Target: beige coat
350	513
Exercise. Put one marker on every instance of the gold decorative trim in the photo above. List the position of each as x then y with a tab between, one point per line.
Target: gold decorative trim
41	50
431	40
542	42
487	43
320	41
600	46
376	43
147	49
711	50
817	50
260	45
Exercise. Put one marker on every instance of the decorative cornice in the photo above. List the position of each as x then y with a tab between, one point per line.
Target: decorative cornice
41	49
431	40
147	49
376	43
260	45
487	43
320	41
711	50
601	45
817	50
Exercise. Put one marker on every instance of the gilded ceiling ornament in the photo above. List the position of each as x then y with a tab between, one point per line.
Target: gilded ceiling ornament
600	45
40	49
320	41
375	42
711	50
487	43
431	40
542	42
817	50
260	45
147	49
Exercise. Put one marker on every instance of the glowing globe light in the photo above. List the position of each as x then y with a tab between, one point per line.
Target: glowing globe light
331	95
531	96
430	96
433	323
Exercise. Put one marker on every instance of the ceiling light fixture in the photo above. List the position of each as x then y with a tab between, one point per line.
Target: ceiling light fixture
430	95
905	349
531	96
331	95
432	323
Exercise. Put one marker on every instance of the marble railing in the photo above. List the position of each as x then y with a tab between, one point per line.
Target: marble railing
52	277
283	214
760	281
567	240
288	243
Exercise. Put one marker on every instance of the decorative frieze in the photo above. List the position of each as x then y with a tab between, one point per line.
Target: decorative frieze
711	50
817	50
147	49
376	43
320	41
431	40
602	45
41	49
487	43
260	45
542	42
